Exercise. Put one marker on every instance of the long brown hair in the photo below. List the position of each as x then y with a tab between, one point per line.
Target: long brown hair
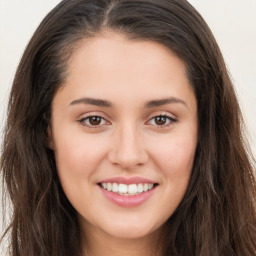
218	213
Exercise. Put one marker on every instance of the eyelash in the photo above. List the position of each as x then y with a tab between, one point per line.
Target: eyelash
166	118
170	120
83	120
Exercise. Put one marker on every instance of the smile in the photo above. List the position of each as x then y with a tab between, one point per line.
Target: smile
127	190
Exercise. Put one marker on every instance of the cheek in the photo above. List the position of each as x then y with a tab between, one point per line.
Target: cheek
77	161
77	157
175	158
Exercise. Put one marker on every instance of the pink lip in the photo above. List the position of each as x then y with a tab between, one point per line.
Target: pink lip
127	201
127	181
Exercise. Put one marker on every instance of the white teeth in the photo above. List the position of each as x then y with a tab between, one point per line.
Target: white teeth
145	187
127	190
150	186
132	189
114	187
109	186
122	188
140	188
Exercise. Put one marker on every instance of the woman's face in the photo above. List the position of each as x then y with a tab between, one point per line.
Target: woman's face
124	132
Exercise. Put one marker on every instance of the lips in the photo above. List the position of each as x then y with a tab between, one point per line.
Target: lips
129	192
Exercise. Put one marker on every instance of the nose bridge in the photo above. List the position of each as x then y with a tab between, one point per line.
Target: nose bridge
127	149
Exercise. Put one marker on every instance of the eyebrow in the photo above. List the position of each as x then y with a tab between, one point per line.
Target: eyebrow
161	102
106	103
92	101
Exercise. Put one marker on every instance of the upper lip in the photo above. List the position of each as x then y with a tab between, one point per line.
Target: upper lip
127	181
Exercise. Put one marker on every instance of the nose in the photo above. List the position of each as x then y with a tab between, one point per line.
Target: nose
127	149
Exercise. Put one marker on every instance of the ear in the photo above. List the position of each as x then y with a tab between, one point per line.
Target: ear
50	141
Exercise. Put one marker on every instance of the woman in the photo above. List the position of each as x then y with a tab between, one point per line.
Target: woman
124	137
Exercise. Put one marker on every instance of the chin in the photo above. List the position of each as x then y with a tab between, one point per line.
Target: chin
127	230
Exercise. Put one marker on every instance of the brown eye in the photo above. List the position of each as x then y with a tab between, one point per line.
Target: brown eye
160	120
93	121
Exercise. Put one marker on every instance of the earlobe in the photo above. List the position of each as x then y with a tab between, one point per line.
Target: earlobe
50	142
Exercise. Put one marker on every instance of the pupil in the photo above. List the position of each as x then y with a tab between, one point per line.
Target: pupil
95	120
160	120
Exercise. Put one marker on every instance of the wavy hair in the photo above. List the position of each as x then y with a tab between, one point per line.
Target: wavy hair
217	215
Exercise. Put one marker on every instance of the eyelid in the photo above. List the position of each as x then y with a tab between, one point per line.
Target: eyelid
170	117
84	117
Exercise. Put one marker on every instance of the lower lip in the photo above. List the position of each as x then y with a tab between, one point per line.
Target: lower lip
127	201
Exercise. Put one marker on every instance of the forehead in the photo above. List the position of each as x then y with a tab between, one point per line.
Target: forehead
112	63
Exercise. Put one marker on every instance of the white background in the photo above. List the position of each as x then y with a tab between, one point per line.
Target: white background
233	23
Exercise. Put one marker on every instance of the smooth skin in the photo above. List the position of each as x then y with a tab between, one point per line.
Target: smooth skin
127	109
